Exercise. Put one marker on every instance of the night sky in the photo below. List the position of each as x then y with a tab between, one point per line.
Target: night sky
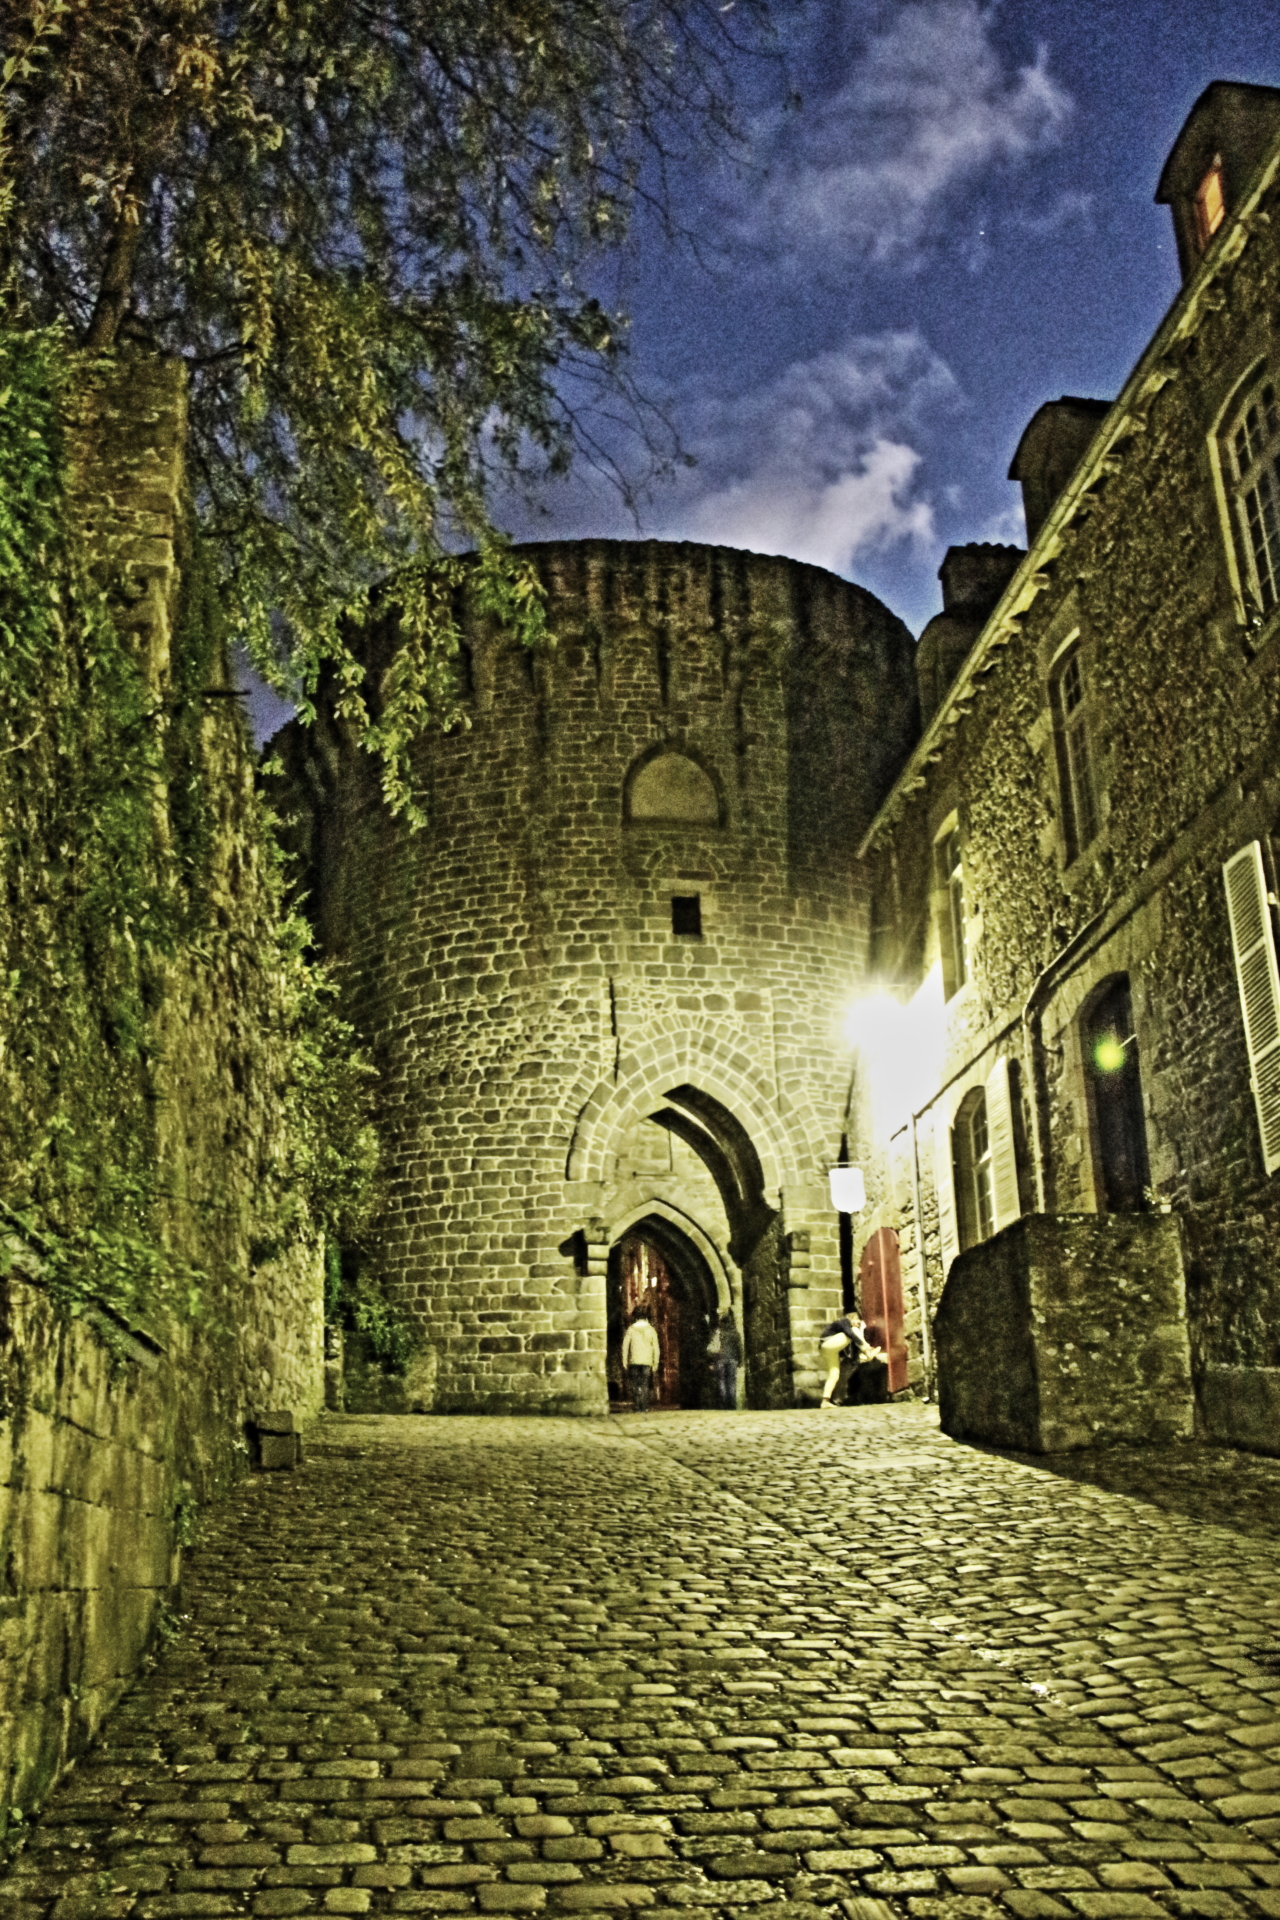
955	226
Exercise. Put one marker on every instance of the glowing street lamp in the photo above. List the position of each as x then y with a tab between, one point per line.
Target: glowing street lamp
1110	1053
848	1189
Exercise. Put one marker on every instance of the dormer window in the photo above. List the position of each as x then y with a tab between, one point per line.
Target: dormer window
1210	203
1214	162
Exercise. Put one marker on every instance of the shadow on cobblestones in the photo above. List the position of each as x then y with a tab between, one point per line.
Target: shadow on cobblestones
1213	1484
774	1665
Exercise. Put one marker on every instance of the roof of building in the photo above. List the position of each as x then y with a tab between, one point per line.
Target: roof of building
1126	418
1230	114
1071	417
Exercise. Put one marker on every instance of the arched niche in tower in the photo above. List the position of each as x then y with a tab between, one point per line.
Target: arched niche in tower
666	787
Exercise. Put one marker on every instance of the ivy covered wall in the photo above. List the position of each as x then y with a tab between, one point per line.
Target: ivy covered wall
180	1112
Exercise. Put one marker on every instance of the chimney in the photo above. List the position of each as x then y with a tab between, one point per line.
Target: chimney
973	578
1050	450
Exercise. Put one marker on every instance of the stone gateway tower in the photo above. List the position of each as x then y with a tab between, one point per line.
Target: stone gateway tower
606	986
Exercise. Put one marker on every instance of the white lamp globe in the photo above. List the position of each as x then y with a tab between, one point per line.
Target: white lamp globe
848	1189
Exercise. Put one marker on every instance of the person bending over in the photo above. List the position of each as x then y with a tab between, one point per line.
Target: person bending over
844	1343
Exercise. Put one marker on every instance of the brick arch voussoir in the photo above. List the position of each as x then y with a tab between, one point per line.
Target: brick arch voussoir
620	1221
670	1055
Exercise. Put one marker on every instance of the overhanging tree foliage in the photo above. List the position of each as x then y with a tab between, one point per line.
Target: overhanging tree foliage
367	226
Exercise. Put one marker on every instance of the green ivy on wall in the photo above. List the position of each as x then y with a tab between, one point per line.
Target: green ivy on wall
113	804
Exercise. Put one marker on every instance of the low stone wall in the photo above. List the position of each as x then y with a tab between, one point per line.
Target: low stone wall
112	1447
90	1511
1067	1332
1240	1407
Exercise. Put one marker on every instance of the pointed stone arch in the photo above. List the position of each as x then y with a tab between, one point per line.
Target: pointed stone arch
626	1217
683	1057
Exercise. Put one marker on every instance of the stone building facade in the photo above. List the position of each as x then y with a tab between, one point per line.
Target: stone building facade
1075	872
606	985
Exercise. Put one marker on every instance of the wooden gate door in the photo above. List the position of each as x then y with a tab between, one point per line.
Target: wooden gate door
880	1292
646	1280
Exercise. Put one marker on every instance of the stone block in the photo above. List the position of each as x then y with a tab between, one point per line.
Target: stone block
274	1452
1067	1332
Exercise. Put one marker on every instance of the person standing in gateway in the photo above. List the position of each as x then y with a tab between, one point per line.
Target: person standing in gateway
724	1351
640	1355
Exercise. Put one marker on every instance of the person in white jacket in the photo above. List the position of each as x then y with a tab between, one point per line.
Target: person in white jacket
640	1355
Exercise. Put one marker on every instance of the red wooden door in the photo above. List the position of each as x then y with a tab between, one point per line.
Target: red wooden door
646	1280
880	1298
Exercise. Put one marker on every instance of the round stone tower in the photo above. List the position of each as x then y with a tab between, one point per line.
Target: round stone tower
605	987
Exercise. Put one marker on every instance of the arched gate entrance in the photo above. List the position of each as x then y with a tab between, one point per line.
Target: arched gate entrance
657	1266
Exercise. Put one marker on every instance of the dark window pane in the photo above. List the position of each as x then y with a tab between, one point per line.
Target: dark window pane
686	915
1119	1116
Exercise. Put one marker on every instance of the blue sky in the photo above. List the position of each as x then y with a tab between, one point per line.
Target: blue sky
956	225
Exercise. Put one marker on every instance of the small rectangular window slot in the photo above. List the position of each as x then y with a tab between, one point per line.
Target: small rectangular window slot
686	915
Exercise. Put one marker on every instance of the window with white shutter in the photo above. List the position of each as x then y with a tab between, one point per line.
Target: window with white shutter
971	1169
944	1183
1006	1205
1253	941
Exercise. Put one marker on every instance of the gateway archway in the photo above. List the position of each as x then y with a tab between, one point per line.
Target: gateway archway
655	1265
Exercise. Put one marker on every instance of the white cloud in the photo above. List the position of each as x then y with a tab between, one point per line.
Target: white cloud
1067	209
1007	528
819	464
929	106
828	523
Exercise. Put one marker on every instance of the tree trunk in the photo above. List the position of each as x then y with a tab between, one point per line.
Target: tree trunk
117	279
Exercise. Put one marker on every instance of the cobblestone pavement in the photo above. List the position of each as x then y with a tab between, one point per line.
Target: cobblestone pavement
776	1666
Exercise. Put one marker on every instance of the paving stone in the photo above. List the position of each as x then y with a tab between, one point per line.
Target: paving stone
1113	1906
1217	1906
500	1897
415	1683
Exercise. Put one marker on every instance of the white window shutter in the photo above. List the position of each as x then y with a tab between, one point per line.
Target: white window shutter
945	1183
1005	1204
1255	952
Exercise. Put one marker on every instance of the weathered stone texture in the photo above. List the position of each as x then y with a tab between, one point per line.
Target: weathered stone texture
113	1439
514	966
1241	1405
1063	1333
1184	694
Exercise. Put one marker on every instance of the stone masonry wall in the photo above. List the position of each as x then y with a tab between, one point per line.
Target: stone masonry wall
114	1436
514	968
1066	1333
1183	697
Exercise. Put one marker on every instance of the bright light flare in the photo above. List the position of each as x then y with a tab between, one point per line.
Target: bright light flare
900	1046
1110	1054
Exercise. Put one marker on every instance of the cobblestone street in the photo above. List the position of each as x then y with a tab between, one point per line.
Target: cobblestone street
794	1664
